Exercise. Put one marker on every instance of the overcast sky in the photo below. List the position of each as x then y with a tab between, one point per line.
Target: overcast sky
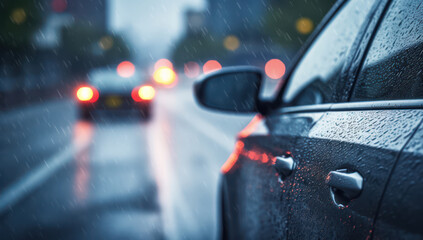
152	26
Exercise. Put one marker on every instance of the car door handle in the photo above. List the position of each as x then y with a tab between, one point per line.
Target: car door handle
284	165
349	183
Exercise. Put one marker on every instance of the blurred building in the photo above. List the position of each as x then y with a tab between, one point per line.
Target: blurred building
236	17
59	13
35	67
195	21
92	12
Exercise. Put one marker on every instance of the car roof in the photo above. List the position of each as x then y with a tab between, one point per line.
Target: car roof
108	79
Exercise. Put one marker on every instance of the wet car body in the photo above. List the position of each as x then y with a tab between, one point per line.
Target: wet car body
337	154
115	94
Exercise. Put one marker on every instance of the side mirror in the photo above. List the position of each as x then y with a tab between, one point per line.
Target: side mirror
232	89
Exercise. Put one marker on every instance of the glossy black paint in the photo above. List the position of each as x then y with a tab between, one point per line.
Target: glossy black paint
381	141
401	212
366	142
256	202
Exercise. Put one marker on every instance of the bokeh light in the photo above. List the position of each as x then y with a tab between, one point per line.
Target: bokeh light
192	69
84	94
126	69
146	92
164	76
304	25
275	68
231	43
106	42
163	63
18	16
211	66
59	5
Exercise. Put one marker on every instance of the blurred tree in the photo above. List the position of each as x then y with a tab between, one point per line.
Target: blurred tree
19	19
289	23
195	47
284	25
85	47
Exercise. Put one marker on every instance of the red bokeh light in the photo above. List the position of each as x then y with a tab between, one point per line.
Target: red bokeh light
134	94
211	66
192	69
146	92
275	68
59	5
87	94
163	63
143	93
126	69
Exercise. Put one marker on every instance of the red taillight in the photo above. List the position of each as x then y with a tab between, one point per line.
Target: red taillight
87	94
143	93
146	92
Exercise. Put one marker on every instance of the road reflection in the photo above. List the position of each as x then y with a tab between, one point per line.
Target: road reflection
83	134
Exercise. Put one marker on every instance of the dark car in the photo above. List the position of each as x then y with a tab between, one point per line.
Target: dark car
338	153
107	90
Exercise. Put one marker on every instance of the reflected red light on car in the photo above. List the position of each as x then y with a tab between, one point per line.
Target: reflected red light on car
87	94
83	134
125	69
192	69
250	128
233	158
163	63
211	66
143	93
275	69
59	5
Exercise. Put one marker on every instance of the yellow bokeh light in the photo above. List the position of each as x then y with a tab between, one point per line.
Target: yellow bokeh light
164	75
146	92
304	25
231	43
18	16
106	43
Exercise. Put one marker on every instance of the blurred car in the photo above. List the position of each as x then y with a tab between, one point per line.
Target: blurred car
107	90
338	153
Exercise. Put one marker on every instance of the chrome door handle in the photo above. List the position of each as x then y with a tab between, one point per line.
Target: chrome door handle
284	165
349	184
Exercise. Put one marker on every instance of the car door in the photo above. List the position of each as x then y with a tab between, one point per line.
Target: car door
256	198
392	73
345	160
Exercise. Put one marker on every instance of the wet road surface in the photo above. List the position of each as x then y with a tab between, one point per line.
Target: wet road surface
113	178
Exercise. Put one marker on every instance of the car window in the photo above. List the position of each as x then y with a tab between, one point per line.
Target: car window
393	68
106	78
317	74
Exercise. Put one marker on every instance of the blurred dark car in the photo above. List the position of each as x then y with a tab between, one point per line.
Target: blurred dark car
106	90
338	153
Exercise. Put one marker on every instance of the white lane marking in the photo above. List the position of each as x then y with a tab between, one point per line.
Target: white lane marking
177	213
24	186
160	158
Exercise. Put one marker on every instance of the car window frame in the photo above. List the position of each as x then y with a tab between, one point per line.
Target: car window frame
349	73
304	49
277	107
369	44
